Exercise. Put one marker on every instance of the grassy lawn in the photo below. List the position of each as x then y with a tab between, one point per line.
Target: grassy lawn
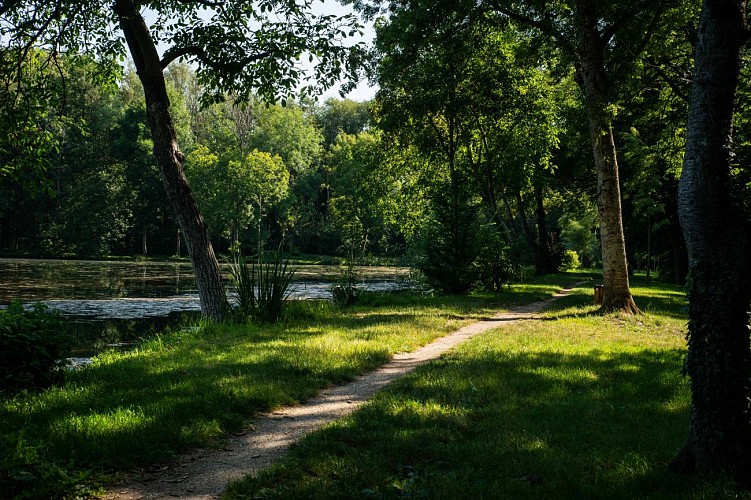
186	389
572	406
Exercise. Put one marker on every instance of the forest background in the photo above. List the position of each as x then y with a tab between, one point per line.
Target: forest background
503	128
473	163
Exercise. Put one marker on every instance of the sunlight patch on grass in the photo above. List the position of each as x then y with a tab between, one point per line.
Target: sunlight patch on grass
183	389
576	405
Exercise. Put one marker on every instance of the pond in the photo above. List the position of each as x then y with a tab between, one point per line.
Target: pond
114	302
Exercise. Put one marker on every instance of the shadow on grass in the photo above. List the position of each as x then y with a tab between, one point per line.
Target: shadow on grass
656	298
190	387
542	425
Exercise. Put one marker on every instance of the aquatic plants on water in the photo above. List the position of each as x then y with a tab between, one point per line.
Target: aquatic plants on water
261	288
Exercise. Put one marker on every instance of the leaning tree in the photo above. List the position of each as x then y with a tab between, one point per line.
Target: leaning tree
237	48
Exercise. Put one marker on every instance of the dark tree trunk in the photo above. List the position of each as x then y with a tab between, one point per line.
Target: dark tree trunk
528	233
717	239
678	255
593	81
540	250
543	239
170	160
486	184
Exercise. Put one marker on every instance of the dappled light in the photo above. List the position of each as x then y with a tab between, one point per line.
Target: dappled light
542	215
581	420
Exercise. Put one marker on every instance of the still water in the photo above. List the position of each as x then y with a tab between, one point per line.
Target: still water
113	302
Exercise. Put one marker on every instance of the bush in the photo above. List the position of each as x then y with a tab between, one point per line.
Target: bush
344	292
261	288
570	261
34	346
495	264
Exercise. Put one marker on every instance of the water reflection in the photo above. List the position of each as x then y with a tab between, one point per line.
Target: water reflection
37	280
111	303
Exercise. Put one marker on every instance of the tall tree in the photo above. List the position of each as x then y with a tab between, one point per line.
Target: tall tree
237	47
601	39
337	116
717	234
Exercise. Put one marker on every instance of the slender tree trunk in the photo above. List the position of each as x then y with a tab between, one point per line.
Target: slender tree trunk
144	248
170	160
649	246
717	239
510	216
543	240
534	245
593	81
525	226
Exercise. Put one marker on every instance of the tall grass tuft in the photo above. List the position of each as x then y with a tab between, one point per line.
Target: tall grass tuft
344	292
261	288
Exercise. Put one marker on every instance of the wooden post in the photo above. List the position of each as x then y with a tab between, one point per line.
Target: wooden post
598	294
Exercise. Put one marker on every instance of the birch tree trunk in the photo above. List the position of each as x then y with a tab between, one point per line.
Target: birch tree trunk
170	160
717	239
593	81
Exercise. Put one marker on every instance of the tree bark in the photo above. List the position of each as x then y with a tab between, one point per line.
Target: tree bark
593	81
540	251
543	238
170	160
717	240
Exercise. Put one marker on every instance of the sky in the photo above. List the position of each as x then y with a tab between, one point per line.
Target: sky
364	91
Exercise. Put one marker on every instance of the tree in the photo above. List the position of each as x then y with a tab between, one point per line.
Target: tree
446	67
30	114
651	126
717	233
602	40
264	179
233	187
359	190
342	115
236	46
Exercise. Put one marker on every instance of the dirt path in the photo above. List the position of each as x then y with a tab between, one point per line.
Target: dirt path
204	474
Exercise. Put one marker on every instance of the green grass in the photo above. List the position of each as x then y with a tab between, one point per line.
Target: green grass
189	388
575	405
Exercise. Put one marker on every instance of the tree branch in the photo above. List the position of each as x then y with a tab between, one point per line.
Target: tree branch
8	5
672	83
545	25
199	53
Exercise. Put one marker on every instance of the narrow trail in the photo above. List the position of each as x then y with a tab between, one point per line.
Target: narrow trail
204	474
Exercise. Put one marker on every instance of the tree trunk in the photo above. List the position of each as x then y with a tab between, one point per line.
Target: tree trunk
543	239
528	233
170	159
540	254
593	81
717	240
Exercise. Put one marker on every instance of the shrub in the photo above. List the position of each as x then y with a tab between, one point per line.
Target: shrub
449	244
495	264
33	347
344	292
570	261
261	288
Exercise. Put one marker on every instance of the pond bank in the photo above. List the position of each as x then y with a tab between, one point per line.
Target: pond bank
114	302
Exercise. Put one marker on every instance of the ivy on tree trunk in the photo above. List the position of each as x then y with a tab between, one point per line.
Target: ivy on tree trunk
717	239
